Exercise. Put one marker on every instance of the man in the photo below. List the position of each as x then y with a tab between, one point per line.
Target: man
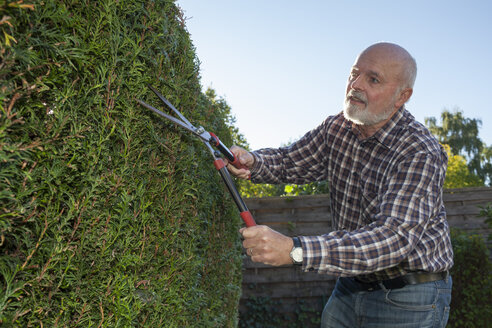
390	246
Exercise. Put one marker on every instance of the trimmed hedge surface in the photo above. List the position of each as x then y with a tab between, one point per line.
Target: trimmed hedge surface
109	216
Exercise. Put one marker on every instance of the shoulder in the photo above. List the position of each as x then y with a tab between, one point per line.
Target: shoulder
336	125
417	138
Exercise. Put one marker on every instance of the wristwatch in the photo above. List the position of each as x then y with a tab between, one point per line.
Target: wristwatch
296	252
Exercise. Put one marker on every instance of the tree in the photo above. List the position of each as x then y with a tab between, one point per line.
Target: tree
461	134
458	175
222	108
249	189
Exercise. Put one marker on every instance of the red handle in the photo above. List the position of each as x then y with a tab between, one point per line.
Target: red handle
237	164
215	141
248	219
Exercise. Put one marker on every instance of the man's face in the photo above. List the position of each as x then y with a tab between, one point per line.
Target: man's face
373	89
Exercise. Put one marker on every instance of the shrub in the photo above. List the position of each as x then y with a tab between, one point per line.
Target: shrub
472	282
261	312
108	215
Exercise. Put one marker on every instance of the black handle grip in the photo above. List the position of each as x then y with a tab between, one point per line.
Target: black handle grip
241	205
215	141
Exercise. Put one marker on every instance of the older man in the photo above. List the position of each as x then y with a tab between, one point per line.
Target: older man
390	246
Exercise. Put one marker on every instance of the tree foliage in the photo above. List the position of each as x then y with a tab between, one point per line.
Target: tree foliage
249	189
230	120
458	174
461	134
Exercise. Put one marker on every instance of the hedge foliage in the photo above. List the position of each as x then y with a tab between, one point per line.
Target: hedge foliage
109	216
472	282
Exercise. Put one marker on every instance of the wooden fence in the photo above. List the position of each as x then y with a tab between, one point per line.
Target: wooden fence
310	215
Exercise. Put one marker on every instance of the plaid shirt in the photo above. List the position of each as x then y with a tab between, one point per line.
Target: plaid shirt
385	193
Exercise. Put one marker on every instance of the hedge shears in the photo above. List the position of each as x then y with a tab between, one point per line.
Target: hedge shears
210	140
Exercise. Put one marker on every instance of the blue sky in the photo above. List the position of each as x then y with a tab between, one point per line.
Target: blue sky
282	65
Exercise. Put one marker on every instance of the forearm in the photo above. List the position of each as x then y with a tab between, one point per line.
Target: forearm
344	253
302	162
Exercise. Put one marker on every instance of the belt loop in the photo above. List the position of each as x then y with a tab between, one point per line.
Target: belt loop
383	287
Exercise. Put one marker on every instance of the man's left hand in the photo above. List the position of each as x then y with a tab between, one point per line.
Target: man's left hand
267	246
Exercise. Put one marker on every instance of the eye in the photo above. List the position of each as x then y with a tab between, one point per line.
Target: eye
374	80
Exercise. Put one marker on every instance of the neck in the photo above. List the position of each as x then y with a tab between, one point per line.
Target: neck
368	131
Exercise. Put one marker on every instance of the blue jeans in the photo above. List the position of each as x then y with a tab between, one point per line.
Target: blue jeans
422	305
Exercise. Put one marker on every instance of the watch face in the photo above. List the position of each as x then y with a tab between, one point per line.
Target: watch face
297	254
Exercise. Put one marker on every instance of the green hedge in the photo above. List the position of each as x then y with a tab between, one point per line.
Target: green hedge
472	282
109	216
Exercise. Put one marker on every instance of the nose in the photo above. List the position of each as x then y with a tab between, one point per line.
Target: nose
356	83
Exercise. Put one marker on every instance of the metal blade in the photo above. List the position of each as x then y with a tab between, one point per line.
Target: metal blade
164	100
175	120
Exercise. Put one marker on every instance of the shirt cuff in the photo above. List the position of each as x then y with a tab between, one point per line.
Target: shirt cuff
257	165
313	252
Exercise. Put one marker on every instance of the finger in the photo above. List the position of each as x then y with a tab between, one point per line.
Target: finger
245	159
256	258
239	173
249	243
244	156
250	232
232	169
244	174
236	150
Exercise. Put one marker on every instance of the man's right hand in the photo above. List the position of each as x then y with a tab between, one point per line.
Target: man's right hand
245	158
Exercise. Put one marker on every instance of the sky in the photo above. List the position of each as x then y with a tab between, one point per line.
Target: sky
282	65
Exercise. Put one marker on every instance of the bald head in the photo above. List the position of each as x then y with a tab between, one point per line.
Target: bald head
380	82
398	57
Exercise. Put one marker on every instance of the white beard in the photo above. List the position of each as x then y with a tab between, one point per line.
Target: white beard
362	114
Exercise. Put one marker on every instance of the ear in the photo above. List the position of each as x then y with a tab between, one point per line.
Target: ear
405	94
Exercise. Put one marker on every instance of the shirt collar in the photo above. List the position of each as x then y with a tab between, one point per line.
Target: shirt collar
390	131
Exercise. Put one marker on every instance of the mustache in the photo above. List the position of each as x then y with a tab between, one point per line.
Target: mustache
359	96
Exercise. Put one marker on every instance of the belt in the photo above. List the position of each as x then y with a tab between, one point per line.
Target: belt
412	278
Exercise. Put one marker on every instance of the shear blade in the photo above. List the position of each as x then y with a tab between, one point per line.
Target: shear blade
164	100
173	119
